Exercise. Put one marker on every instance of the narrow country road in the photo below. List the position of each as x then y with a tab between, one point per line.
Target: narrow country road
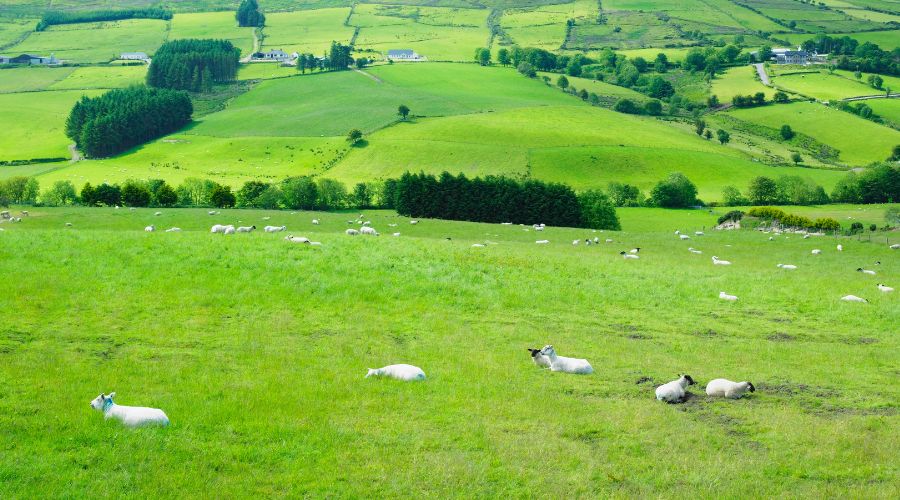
76	156
761	71
867	97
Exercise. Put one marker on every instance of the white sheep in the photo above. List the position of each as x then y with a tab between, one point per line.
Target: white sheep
840	248
717	262
634	250
25	213
367	223
576	242
885	288
150	228
173	230
816	251
866	271
315	222
245	229
68	224
396	235
629	255
368	230
725	296
683	237
538	228
212	212
218	228
723	388
297	239
229	230
131	416
403	372
895	246
413	222
789	267
539	359
274	229
157	214
542	242
609	240
694	250
674	391
566	365
853	298
352	232
477	245
699	233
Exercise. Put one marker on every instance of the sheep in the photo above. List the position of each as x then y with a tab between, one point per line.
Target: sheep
566	365
506	223
218	228
717	262
723	388
413	222
698	233
789	267
576	242
407	373
609	240
68	224
297	239
538	358
25	213
4	214
884	288
157	214
368	230
840	248
538	228
131	416
274	229
677	232
865	271
725	296
597	240
477	245
542	242
395	235
628	255
132	208
771	238
673	392
816	251
367	223
351	232
246	229
211	212
854	298
266	218
315	222
229	230
805	236
895	246
173	230
150	228
635	250
392	225
683	237
694	250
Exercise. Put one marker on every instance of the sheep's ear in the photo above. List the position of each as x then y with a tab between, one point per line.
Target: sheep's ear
112	395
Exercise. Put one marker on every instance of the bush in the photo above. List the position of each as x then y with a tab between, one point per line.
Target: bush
627	106
135	194
796	221
19	190
653	108
299	193
827	224
767	213
787	133
856	227
222	197
60	194
249	193
733	216
892	216
597	211
106	194
873	227
677	191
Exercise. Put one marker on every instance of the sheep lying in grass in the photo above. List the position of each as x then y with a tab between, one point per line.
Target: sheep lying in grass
854	298
173	230
296	239
403	372
413	222
725	296
351	232
816	251
718	262
789	267
895	246
566	365
477	245
865	271
245	229
723	388
694	250
885	288
150	228
131	416
274	229
542	242
629	255
674	391
157	214
538	358
368	230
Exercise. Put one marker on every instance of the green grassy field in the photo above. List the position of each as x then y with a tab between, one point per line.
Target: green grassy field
219	25
265	71
738	81
257	348
23	79
597	87
102	77
889	109
887	40
823	86
95	42
859	141
306	31
33	124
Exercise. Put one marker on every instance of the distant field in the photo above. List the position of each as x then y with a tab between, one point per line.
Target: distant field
860	141
887	40
889	109
823	86
102	77
95	42
673	54
738	81
23	79
305	31
545	27
625	30
219	25
809	17
598	87
33	124
12	29
872	15
265	71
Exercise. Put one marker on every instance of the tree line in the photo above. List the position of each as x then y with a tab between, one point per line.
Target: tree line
193	64
54	17
853	56
879	184
248	14
123	118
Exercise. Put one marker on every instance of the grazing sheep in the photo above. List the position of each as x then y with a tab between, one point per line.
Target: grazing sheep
173	230
274	229
266	218
673	392
542	242
315	222
68	224
538	228
477	245
413	222
694	250
854	298
628	255
635	250
597	240
816	251
297	239
367	223
352	232
725	296
885	288
771	238
246	229
805	236
576	242
132	208
212	212
789	267
717	262
4	214
566	365
723	388
218	228
895	246
538	358
131	416
395	234
683	237
677	232
840	248
609	240
229	230
25	213
157	213
698	233
865	271
403	372
368	230
392	225
150	228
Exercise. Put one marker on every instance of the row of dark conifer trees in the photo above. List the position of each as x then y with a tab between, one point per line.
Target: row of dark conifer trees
193	64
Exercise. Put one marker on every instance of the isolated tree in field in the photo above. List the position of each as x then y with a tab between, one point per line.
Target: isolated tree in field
723	136
562	82
597	211
483	56
708	134
796	158
526	69
787	133
361	63
857	74
875	81
503	57
248	14
677	191
763	191
354	136
699	127
403	111
780	97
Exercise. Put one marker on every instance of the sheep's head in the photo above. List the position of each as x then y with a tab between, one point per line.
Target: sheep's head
690	381
102	401
548	350
534	352
752	389
372	372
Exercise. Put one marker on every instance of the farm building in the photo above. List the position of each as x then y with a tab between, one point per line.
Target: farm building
29	59
134	56
403	55
274	55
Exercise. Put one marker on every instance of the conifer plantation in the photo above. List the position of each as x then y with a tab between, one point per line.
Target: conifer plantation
193	64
